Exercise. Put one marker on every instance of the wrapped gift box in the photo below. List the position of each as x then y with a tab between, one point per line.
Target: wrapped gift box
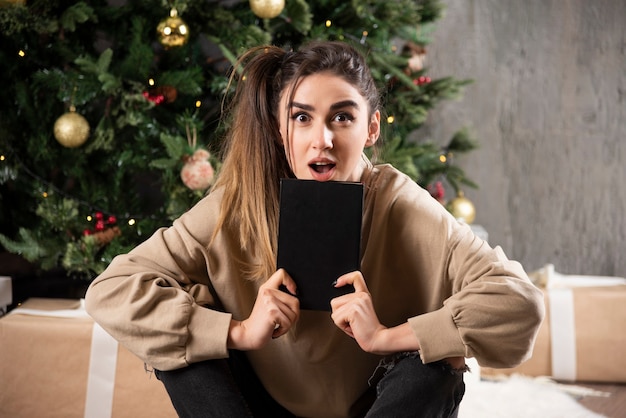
55	362
583	335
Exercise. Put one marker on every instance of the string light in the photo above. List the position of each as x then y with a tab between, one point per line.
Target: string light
328	23
151	81
390	119
21	53
44	195
89	218
2	157
363	37
198	103
443	158
131	222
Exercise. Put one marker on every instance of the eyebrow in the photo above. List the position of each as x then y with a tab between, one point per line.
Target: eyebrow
334	106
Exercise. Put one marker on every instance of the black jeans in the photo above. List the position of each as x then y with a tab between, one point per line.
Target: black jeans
402	386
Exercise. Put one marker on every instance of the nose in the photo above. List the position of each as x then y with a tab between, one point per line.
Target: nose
323	138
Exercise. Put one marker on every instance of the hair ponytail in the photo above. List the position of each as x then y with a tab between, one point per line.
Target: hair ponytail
254	161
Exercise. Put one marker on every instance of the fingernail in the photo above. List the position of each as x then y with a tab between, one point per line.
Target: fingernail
334	283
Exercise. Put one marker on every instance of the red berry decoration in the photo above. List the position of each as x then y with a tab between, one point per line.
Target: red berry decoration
437	191
155	98
421	80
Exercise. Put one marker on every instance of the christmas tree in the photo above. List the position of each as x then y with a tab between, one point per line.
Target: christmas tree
111	110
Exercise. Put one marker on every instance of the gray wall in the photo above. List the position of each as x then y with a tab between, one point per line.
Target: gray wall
548	105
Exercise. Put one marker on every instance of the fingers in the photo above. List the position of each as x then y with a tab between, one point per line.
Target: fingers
273	284
281	309
282	278
354	313
342	320
283	322
273	314
355	278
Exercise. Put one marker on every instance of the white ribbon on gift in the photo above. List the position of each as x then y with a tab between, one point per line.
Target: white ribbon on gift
102	361
79	312
562	320
101	380
563	333
6	294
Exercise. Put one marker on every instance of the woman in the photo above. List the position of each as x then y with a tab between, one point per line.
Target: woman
200	301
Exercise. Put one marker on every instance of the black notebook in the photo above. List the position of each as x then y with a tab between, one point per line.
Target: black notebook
319	237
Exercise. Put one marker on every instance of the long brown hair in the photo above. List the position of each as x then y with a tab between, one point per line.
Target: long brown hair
254	158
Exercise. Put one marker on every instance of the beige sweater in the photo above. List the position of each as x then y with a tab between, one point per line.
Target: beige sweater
461	297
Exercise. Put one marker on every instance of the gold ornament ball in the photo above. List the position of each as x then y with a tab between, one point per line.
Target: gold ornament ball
71	130
267	9
462	208
173	31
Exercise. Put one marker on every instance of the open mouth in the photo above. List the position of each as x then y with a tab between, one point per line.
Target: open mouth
322	166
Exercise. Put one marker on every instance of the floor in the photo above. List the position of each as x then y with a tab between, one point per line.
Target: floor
613	406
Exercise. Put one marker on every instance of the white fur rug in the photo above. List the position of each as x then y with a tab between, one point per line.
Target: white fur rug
523	397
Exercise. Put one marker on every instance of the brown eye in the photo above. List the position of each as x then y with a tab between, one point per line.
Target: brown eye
343	117
301	117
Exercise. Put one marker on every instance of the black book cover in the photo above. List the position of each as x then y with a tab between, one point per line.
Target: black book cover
319	237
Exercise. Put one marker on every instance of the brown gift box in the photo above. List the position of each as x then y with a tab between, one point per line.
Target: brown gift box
45	364
600	338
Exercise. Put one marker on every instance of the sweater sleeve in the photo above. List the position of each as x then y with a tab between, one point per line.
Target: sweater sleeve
493	314
471	299
152	300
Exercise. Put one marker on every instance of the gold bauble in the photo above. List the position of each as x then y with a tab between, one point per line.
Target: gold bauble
71	129
173	31
267	9
462	208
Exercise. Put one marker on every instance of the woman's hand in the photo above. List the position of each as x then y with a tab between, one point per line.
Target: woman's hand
354	314
273	314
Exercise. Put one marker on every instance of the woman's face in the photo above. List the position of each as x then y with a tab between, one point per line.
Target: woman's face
329	126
